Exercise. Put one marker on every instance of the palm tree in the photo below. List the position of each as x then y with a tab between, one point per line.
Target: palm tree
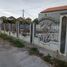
11	20
4	20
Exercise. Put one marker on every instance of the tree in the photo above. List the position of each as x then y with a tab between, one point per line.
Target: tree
36	21
19	21
27	25
4	19
28	20
24	23
11	20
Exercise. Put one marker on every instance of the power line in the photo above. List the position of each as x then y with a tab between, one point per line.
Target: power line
29	14
23	12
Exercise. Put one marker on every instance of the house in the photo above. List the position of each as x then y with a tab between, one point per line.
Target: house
52	22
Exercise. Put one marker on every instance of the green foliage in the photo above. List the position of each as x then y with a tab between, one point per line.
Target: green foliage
47	58
15	42
33	51
11	20
4	19
24	21
28	20
54	61
4	36
59	63
18	43
36	21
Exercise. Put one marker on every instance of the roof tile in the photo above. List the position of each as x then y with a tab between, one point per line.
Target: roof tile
54	9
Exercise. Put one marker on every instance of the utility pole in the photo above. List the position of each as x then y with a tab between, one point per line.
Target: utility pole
23	13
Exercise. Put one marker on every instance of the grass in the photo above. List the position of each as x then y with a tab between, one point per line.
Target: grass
15	42
47	58
34	51
18	43
59	63
55	62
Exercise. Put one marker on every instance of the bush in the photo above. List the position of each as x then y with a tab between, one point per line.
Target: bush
54	61
18	43
59	63
15	42
4	36
33	51
47	58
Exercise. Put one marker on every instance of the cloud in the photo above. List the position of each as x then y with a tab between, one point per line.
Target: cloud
7	13
33	7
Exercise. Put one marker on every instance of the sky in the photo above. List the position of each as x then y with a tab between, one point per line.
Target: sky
31	7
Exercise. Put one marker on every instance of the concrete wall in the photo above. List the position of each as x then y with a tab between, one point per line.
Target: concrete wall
65	53
56	16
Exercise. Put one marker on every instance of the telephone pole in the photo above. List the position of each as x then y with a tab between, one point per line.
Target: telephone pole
23	13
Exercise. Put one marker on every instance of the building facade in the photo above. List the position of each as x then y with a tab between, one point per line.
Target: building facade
53	27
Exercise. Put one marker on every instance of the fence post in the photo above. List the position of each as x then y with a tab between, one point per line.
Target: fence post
9	29
17	29
32	33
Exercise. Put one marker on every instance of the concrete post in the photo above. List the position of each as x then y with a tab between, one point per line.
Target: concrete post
63	35
17	29
9	29
0	27
32	33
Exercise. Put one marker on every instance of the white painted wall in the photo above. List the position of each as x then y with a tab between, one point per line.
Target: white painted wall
57	16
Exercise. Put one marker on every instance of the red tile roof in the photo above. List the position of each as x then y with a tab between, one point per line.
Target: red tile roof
54	9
